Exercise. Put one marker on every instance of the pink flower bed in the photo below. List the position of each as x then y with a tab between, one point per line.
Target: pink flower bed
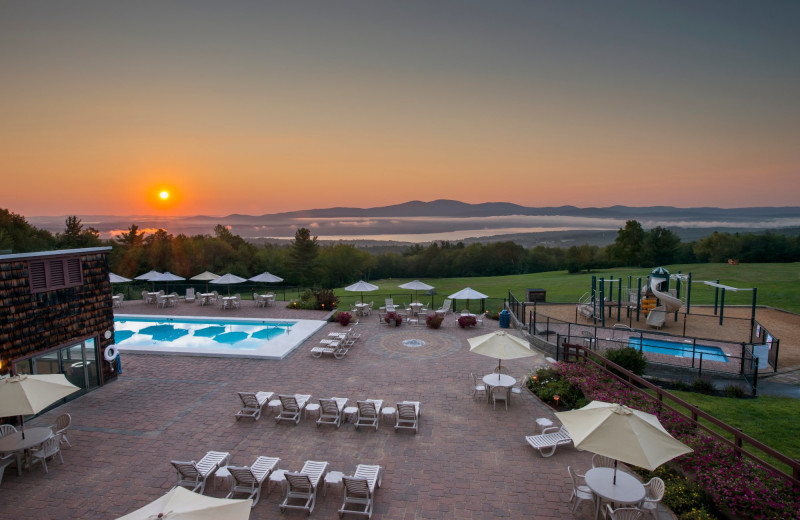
736	484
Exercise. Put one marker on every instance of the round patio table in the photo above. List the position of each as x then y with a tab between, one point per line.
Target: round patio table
493	379
627	490
14	442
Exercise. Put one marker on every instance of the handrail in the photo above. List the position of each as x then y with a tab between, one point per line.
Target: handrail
578	351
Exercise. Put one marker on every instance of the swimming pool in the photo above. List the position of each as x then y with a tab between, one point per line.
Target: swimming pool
672	348
202	336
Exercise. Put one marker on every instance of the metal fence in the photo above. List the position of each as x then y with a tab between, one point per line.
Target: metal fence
762	337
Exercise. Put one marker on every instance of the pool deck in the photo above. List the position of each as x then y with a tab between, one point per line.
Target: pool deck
468	461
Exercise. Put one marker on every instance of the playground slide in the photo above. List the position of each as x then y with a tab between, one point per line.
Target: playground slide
669	302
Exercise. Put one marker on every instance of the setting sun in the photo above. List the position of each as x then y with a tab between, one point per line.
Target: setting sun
164	195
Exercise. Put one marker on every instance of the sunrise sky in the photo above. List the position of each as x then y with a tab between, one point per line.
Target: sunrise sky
259	107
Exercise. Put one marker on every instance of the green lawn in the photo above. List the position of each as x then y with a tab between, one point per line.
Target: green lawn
778	284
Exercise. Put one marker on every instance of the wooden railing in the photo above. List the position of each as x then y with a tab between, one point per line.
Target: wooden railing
741	441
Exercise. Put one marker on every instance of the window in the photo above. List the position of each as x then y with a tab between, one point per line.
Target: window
55	273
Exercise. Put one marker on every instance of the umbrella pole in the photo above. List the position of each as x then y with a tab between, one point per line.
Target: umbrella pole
615	472
22	425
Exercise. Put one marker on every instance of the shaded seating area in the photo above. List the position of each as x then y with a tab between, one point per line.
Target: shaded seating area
550	439
249	479
359	490
194	475
253	404
301	488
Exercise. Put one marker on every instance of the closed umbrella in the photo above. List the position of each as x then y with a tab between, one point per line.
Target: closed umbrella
30	394
266	278
622	433
182	504
115	278
228	279
500	345
205	276
362	287
416	286
167	277
467	294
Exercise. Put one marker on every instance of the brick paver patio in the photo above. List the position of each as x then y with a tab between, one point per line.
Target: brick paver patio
468	461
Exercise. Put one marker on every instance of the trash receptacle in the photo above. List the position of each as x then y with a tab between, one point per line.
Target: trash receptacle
505	319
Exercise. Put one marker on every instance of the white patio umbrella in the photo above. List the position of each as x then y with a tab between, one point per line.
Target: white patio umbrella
266	277
622	433
115	278
147	276
362	287
167	277
182	504
500	345
205	276
30	394
228	279
416	286
467	294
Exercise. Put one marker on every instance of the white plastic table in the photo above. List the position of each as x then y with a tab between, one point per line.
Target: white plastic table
503	380
14	442
628	490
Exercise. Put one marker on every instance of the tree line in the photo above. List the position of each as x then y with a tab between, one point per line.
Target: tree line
307	263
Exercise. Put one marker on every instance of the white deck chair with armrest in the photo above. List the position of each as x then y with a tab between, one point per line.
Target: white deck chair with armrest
445	308
190	296
5	460
408	414
61	426
194	474
49	448
248	479
253	404
359	490
331	411
550	439
369	413
654	493
579	491
623	513
301	489
292	407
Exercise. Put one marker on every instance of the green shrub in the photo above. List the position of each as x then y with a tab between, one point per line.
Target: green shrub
686	498
703	386
697	514
326	299
628	358
495	314
734	391
547	383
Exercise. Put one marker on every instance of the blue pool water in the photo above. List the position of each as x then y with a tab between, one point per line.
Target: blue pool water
197	333
672	348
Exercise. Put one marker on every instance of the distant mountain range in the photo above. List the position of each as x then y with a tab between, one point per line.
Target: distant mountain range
418	221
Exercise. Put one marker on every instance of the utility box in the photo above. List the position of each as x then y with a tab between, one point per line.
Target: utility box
536	295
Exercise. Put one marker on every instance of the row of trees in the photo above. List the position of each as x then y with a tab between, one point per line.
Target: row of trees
307	263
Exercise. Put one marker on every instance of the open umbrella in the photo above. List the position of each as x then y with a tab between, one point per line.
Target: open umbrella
167	277
228	279
361	286
416	286
205	276
180	503
266	278
500	345
115	278
30	394
147	276
467	294
622	433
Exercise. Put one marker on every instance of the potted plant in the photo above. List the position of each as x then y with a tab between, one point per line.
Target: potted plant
344	318
467	321
394	318
434	321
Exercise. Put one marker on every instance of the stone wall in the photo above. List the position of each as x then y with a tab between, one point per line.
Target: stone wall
33	323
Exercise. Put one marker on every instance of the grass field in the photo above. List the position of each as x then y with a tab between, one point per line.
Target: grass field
778	284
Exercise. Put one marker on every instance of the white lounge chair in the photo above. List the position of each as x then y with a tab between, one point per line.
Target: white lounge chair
253	404
359	490
248	479
549	440
445	308
331	411
369	413
408	413
190	296
292	407
194	474
302	486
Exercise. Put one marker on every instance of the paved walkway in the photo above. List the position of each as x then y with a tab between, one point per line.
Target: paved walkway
468	461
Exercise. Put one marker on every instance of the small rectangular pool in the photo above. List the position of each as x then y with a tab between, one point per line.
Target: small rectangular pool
673	348
203	336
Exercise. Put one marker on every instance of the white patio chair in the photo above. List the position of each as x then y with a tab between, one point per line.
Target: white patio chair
580	491
550	439
60	427
301	489
516	390
49	448
601	461
408	413
190	295
501	370
248	479
369	413
194	474
624	513
359	490
499	393
7	429
654	493
477	386
445	308
6	460
253	404
331	411
292	407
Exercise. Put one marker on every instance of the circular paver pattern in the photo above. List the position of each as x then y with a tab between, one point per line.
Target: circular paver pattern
416	345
